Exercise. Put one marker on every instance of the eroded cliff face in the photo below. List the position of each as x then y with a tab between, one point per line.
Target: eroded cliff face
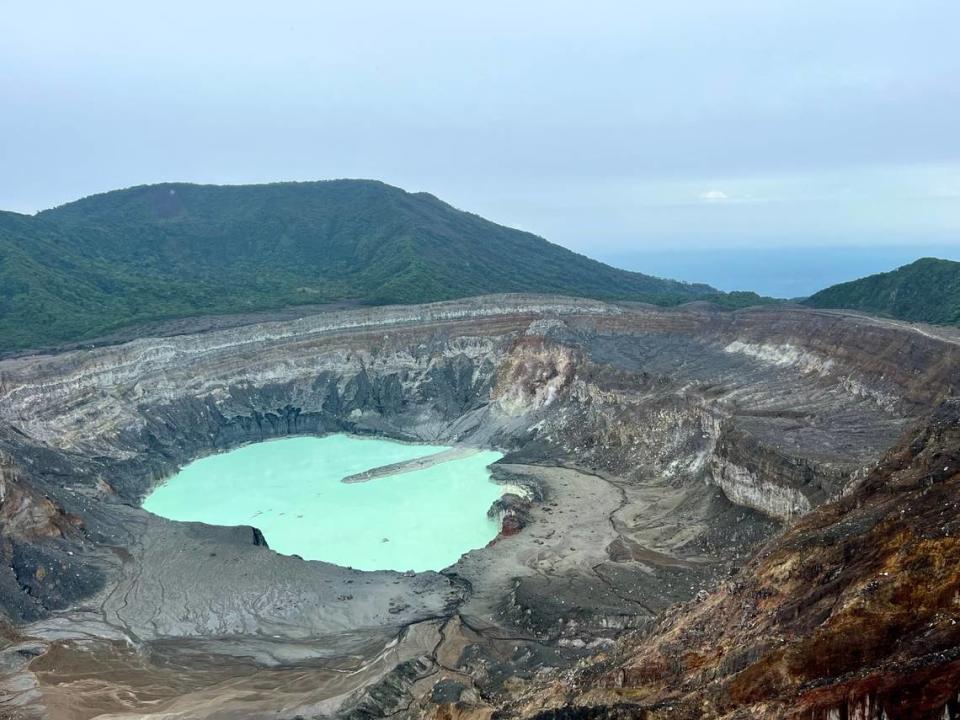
655	448
854	612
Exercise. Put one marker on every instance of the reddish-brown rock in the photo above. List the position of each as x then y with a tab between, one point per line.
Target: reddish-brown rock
854	612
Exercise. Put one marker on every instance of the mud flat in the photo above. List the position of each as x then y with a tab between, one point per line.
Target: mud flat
656	448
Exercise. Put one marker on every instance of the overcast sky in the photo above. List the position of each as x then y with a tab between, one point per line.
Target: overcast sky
606	126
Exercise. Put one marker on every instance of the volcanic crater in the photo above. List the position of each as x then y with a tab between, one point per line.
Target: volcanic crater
653	450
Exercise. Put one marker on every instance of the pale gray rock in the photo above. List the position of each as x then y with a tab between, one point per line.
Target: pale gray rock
656	447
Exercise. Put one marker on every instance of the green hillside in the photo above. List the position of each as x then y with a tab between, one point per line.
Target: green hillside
177	250
927	290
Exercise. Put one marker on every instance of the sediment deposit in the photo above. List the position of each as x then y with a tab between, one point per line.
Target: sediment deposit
652	450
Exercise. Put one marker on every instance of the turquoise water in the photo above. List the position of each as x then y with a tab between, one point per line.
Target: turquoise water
290	489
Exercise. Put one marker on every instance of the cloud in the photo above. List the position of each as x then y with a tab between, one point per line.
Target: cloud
714	196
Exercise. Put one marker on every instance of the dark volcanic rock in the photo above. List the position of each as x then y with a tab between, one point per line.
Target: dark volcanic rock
512	511
656	446
852	612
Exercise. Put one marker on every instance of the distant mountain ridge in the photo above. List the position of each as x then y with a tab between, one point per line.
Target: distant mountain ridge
173	250
927	290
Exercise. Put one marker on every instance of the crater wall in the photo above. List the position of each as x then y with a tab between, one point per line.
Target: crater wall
659	446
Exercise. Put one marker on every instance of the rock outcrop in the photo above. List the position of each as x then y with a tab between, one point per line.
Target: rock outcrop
854	612
655	449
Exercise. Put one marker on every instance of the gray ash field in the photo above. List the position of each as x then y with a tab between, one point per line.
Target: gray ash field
657	449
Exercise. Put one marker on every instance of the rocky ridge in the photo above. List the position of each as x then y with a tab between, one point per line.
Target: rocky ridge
656	447
853	612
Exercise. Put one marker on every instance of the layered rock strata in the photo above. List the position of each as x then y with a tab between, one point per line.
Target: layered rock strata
655	447
853	612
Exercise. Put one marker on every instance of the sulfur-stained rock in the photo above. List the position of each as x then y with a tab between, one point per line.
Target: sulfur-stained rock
654	447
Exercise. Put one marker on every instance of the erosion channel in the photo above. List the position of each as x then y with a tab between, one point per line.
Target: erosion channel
645	453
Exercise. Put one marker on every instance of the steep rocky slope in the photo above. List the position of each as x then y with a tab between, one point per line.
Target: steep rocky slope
854	612
656	448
